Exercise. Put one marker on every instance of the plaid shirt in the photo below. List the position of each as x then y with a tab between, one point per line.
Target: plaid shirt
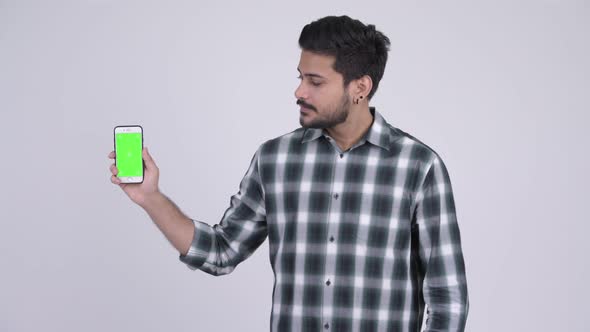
360	240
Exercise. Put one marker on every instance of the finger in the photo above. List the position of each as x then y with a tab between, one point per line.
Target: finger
112	155
150	164
114	169
115	180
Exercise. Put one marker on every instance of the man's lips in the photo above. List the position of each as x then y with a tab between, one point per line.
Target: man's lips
304	107
305	110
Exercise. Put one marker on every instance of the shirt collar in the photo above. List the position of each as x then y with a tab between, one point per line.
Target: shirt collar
379	134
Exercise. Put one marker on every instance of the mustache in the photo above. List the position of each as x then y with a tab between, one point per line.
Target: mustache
306	105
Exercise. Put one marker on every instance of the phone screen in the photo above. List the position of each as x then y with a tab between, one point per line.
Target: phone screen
128	147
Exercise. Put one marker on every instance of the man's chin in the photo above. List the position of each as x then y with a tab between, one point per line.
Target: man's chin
303	123
310	124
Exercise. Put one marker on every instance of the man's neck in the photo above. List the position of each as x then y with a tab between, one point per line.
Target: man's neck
348	133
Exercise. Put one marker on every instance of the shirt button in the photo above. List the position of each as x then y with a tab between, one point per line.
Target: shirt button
326	326
335	196
331	239
328	282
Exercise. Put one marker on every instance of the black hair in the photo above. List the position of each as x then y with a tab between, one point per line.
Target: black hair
359	49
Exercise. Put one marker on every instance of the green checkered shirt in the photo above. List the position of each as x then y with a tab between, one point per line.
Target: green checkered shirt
360	240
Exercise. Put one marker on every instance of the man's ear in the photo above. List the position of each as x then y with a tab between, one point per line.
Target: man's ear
362	87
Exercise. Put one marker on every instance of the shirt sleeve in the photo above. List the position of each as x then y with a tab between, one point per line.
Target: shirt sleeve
440	263
218	249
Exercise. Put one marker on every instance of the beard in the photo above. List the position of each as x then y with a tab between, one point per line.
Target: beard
329	118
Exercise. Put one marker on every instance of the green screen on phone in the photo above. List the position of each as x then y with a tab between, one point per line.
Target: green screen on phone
129	161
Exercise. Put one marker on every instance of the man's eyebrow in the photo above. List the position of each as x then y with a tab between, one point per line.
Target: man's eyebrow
311	74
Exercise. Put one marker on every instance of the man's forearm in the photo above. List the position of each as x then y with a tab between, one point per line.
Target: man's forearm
175	225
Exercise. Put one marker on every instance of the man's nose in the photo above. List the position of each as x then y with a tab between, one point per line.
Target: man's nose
300	92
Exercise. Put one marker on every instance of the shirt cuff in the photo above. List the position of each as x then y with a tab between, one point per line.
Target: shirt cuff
200	246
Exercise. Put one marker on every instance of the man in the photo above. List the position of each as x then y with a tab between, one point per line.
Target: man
360	215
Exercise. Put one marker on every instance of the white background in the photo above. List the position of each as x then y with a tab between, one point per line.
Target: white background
499	89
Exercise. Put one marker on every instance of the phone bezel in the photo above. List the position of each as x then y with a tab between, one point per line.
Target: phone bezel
129	179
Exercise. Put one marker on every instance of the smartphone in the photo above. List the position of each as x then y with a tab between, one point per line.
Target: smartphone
128	157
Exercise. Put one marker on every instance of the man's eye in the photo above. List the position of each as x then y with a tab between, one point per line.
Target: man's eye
312	82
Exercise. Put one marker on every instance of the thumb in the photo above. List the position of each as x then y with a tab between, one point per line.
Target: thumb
149	161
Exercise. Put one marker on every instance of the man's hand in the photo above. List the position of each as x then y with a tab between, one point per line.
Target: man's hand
139	193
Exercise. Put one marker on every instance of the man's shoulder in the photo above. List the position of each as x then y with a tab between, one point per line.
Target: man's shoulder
419	150
274	144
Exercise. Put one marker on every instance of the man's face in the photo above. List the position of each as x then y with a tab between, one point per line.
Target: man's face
321	94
